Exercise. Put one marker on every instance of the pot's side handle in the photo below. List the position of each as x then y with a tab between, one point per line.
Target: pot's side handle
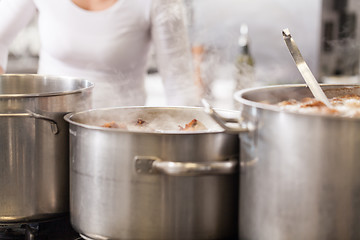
54	127
149	164
222	121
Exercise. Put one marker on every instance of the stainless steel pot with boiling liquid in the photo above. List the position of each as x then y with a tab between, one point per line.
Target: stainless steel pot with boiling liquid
299	176
156	184
34	144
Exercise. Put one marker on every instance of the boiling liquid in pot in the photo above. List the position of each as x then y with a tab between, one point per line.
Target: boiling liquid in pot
145	125
151	119
348	106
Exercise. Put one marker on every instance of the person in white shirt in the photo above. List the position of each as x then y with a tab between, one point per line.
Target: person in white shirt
107	42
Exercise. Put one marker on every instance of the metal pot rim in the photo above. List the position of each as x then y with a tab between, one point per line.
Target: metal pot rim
68	117
239	97
89	84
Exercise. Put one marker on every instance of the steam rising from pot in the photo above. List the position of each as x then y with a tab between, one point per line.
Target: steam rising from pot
161	120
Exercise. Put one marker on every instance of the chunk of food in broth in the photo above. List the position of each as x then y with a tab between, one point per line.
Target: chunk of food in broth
193	125
141	122
113	124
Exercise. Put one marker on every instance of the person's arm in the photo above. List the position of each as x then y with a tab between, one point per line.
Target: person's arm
172	49
15	15
1	70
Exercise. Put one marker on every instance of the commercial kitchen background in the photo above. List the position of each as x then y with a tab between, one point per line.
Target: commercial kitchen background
215	25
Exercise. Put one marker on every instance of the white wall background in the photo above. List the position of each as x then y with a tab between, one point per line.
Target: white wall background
217	23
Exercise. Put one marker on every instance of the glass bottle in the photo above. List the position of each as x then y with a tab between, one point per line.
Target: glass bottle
245	72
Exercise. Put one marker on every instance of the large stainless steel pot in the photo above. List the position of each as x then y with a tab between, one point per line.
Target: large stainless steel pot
299	175
34	144
152	185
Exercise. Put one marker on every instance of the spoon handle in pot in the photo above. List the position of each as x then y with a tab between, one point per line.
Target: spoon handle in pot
304	69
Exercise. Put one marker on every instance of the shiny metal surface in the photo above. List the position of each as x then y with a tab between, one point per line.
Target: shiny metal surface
224	121
305	183
145	164
111	199
53	124
34	144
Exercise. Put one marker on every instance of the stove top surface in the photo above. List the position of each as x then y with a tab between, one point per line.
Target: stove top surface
59	229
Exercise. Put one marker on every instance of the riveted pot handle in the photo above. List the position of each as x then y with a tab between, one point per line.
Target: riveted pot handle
153	165
222	121
54	127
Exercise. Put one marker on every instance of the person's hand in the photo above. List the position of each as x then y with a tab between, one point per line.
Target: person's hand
1	70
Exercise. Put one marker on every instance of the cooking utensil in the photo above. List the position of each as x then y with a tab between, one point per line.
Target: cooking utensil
34	144
223	121
152	184
304	69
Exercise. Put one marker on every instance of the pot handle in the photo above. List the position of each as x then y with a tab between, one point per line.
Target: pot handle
153	165
222	121
54	127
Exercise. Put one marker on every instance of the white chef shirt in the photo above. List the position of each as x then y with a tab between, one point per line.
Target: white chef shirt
108	47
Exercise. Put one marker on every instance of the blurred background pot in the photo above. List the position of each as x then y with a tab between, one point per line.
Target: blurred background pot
34	144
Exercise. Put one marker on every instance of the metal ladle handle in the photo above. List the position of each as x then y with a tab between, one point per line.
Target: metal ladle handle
304	69
223	121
